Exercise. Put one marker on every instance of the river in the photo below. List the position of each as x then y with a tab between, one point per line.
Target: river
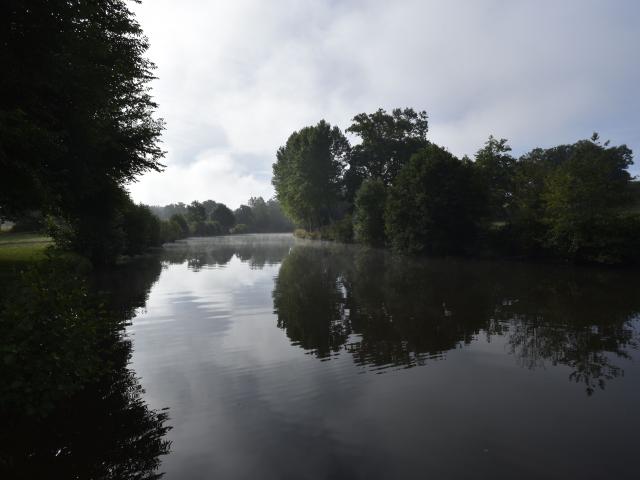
280	358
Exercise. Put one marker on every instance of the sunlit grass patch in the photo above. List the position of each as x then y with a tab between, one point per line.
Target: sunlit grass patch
22	247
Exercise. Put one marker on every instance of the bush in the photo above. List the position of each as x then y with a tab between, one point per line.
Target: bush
339	231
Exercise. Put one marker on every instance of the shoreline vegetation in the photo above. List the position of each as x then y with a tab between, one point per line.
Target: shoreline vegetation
574	203
145	228
77	125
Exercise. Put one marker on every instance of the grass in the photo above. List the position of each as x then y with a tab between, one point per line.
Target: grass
20	248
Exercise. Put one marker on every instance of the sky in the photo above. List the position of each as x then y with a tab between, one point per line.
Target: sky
237	77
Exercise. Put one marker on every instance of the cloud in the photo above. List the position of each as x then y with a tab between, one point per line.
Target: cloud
236	78
212	175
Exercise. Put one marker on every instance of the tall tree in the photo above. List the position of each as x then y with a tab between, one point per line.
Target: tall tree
75	111
496	168
244	216
307	174
387	142
196	213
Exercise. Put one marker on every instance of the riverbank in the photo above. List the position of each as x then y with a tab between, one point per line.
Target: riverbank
16	248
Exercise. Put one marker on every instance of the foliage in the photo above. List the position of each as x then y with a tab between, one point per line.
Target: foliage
268	216
169	232
573	202
368	222
339	231
257	217
582	197
196	212
307	174
388	140
117	227
434	205
239	229
142	229
168	211
207	229
76	118
244	216
496	166
224	216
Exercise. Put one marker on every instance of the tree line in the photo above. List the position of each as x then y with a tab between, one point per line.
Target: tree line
395	188
208	218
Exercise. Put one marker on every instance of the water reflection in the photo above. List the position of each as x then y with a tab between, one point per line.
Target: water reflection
257	250
233	331
388	311
104	430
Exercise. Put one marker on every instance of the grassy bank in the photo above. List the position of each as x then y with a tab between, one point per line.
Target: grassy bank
17	248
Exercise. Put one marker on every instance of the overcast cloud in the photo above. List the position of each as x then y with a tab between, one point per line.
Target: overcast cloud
237	77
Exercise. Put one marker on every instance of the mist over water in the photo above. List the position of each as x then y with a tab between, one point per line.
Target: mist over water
280	358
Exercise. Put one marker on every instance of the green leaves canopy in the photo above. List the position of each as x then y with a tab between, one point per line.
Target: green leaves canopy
307	174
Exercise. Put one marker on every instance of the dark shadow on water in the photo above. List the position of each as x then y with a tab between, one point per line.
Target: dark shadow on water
92	421
387	311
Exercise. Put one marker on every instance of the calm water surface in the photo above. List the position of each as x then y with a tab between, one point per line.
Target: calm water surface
284	359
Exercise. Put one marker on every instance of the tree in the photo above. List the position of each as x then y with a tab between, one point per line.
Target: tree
368	223
141	228
182	224
434	205
584	198
387	143
307	174
496	168
209	207
196	212
260	214
76	117
224	216
244	216
278	222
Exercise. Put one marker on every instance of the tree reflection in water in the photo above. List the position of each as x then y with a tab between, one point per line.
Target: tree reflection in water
257	250
97	425
389	311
